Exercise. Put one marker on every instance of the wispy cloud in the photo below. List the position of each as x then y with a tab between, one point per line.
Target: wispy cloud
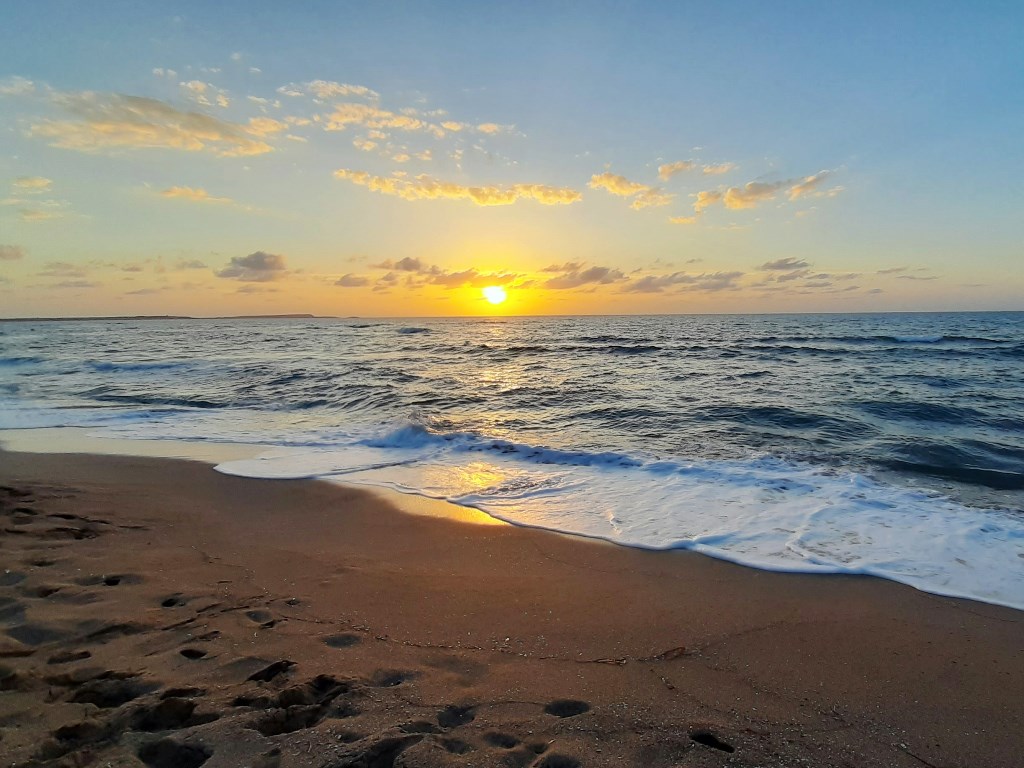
33	215
424	187
753	193
32	185
643	195
16	86
705	281
352	281
105	121
719	169
786	264
575	276
668	170
11	252
193	194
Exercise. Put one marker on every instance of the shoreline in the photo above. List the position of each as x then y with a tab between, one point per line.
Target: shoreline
675	655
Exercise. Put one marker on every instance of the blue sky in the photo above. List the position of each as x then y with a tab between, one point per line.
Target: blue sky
604	157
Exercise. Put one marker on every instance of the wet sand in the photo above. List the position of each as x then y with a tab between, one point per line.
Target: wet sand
154	612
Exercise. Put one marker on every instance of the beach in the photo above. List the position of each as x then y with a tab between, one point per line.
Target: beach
156	612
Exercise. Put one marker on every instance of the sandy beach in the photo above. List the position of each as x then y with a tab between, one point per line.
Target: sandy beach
154	612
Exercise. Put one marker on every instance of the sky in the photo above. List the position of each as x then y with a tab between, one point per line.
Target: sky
395	159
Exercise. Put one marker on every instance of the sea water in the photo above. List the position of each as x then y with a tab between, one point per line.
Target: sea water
885	444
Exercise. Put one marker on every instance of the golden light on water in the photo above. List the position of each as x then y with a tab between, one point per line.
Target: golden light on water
495	294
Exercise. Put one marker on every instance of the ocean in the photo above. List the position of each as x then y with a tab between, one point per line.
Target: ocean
884	444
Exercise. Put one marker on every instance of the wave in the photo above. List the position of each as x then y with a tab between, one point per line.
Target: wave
413	329
763	511
23	360
105	367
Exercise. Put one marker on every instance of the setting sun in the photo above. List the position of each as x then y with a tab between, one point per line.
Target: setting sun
495	294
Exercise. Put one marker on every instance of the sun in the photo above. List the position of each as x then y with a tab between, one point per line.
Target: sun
495	294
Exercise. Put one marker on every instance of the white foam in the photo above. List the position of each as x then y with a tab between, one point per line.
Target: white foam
762	512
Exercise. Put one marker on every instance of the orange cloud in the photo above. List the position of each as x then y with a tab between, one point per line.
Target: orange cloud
644	196
114	121
424	187
195	195
668	170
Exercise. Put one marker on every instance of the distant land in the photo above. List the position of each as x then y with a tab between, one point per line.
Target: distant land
165	317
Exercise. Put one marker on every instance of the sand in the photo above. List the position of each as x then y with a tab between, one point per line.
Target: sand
154	612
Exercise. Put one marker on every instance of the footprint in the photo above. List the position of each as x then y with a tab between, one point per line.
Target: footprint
182	693
342	641
10	578
192	653
289	720
555	760
453	716
166	753
173	601
66	657
419	726
107	693
268	673
503	740
380	754
709	739
456	746
389	678
566	707
35	634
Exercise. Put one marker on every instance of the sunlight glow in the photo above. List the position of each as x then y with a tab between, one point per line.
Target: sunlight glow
495	294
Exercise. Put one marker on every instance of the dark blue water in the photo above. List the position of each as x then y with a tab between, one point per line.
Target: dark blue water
935	400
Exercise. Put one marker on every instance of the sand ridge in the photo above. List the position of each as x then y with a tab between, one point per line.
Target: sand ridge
154	613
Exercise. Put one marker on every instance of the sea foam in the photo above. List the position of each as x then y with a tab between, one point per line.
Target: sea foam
763	512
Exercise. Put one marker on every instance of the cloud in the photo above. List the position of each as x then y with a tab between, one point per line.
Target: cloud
493	128
364	144
114	121
891	271
808	185
705	199
707	281
32	185
371	116
651	198
644	196
258	267
578	277
408	264
189	264
616	185
352	281
205	94
193	194
26	214
76	284
683	219
751	194
328	89
719	169
424	187
11	252
785	264
62	269
668	170
264	126
16	86
569	266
